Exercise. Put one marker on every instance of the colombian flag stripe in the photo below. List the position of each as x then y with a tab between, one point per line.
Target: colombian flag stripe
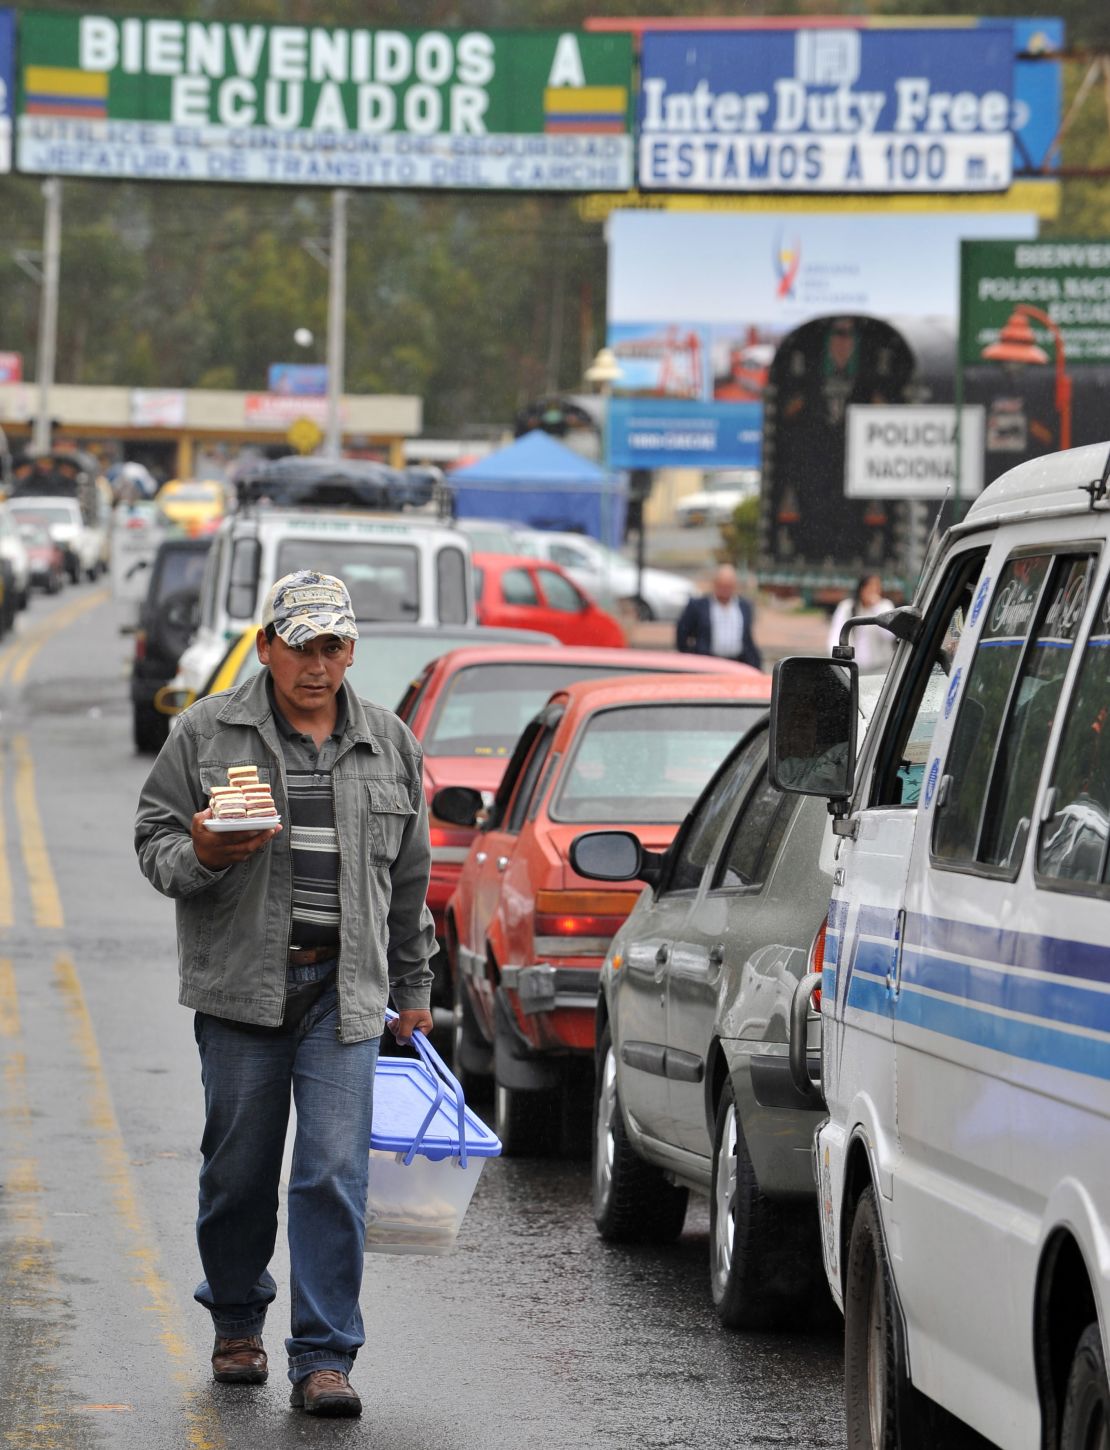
610	101
49	82
63	106
582	125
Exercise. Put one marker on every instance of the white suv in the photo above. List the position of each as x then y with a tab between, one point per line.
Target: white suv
82	544
396	570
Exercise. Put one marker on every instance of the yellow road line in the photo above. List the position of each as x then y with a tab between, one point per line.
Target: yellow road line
9	1001
19	656
7	908
202	1431
46	903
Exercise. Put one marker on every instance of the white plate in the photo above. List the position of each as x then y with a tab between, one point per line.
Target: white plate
259	823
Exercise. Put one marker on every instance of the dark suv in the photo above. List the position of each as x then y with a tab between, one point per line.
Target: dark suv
166	621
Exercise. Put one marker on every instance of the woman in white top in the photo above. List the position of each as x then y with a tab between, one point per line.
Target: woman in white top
874	647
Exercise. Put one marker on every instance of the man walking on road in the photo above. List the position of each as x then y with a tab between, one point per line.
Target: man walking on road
289	942
719	623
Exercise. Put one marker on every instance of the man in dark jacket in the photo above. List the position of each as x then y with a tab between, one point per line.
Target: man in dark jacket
289	942
719	623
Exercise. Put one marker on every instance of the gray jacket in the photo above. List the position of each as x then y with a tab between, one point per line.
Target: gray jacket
233	925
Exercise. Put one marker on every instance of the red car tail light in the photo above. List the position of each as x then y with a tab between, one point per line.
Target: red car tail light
816	961
582	913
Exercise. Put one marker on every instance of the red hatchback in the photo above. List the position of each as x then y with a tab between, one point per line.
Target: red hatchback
524	593
526	935
468	707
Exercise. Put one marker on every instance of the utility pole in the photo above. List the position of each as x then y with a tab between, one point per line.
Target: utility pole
48	308
337	321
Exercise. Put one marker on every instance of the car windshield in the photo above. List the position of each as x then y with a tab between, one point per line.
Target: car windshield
45	513
178	569
383	579
193	493
34	536
485	707
386	665
647	764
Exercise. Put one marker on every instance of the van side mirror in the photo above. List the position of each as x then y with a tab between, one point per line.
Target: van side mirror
814	711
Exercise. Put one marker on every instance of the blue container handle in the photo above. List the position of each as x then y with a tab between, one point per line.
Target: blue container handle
441	1076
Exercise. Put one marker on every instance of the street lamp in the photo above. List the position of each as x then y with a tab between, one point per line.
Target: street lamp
1017	346
303	337
604	371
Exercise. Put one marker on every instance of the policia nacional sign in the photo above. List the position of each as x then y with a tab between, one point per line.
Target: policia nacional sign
210	100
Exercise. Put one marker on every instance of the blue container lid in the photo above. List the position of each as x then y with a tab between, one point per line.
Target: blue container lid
404	1090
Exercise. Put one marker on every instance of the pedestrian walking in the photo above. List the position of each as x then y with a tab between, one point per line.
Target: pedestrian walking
874	647
289	942
719	623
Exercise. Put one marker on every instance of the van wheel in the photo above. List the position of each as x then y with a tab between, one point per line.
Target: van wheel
632	1199
1087	1399
763	1254
149	730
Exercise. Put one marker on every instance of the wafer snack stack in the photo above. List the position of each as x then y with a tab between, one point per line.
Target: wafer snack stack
244	797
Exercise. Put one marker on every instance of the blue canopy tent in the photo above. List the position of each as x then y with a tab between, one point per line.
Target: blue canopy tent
537	482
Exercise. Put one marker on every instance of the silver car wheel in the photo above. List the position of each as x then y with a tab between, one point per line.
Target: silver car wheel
725	1204
605	1128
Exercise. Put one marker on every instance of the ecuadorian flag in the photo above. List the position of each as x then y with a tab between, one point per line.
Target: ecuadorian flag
50	90
585	110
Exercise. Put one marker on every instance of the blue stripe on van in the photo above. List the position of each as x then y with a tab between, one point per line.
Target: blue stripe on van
1057	1001
832	950
1009	948
1033	1041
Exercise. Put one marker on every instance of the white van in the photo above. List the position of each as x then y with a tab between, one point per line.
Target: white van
410	572
963	1173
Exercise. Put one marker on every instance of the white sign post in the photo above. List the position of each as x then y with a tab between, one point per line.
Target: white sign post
910	451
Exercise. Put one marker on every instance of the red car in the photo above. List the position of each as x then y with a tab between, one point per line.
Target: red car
533	594
526	935
467	709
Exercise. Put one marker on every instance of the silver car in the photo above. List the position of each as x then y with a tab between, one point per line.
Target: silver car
694	1089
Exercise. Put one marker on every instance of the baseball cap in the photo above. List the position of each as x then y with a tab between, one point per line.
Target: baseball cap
305	605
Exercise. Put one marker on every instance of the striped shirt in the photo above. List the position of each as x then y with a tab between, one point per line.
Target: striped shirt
313	842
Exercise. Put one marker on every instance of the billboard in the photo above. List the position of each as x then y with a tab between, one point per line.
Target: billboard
306	380
303	105
698	302
1067	281
7	87
839	110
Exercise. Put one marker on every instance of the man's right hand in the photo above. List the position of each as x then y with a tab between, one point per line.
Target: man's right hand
218	850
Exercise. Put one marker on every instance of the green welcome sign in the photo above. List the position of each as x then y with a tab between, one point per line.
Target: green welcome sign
1066	281
213	100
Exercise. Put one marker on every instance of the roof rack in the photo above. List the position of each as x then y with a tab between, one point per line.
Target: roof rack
361	483
1096	490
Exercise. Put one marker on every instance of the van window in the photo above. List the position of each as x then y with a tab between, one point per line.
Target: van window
382	579
451	586
904	751
1075	839
210	584
1014	683
242	584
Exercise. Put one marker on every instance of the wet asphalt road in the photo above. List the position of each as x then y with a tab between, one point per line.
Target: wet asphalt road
533	1333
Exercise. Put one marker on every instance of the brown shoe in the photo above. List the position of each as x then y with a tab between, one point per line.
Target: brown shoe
325	1392
239	1361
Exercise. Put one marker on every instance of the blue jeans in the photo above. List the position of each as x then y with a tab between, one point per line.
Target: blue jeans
247	1079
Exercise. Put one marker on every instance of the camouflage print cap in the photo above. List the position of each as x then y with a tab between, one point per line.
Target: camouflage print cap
306	605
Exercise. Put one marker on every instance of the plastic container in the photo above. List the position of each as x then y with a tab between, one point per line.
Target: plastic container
427	1151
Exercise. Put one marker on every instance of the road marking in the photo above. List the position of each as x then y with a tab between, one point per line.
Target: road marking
7	909
202	1431
9	1000
46	904
28	1282
18	656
